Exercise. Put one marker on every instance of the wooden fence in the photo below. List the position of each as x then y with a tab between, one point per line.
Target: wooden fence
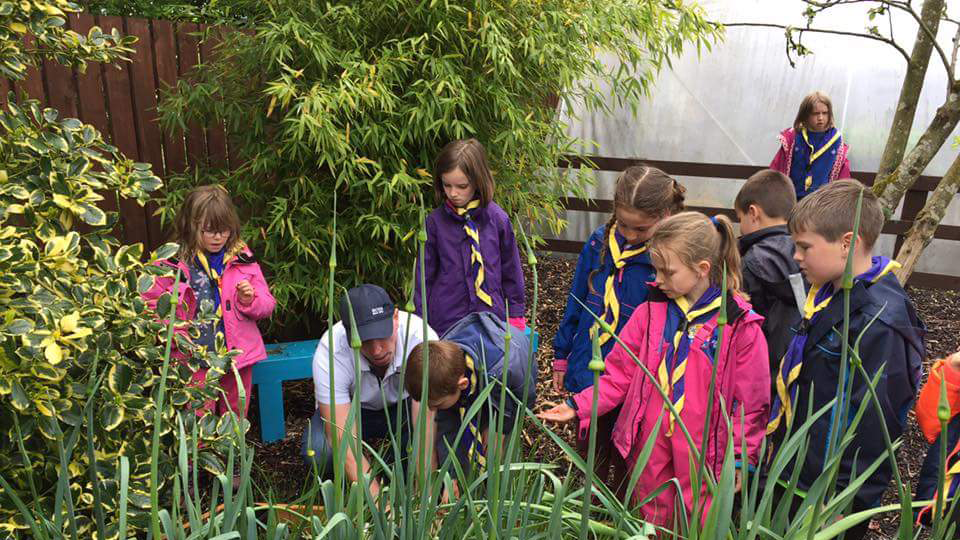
121	100
913	202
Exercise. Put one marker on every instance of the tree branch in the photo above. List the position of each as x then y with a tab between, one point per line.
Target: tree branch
953	56
825	31
906	7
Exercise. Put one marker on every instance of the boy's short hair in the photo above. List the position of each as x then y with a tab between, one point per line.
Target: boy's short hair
447	366
771	191
831	210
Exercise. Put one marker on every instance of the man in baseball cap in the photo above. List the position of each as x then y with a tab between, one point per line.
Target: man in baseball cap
387	335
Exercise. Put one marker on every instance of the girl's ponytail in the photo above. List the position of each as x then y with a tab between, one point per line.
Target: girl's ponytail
728	254
694	237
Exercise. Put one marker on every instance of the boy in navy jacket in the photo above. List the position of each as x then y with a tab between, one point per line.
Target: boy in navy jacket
763	206
822	228
468	357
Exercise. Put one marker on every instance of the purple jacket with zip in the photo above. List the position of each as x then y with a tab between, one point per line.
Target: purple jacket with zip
450	276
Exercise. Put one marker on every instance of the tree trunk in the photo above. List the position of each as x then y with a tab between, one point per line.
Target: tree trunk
921	232
892	189
910	91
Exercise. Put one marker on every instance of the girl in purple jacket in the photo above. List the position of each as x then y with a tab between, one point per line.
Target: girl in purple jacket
471	261
217	267
675	335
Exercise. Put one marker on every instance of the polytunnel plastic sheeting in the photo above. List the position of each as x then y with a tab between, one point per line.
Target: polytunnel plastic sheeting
728	105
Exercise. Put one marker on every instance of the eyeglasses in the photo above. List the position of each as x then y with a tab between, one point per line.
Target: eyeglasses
211	234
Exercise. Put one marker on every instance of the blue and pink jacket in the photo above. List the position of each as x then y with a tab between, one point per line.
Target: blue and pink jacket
239	321
742	384
836	168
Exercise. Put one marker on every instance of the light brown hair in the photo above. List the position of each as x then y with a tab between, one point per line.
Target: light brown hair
771	191
646	189
806	108
831	211
447	365
694	237
205	207
469	156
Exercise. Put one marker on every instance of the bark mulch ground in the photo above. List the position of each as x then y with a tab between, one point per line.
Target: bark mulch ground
280	467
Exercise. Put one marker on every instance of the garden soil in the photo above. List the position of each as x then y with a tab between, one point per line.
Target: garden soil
283	475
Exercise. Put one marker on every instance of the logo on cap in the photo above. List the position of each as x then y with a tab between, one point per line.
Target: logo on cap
376	311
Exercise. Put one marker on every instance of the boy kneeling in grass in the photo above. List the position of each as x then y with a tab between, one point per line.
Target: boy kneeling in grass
469	357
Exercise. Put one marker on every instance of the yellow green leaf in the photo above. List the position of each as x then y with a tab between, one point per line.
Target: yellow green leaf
53	353
19	28
69	323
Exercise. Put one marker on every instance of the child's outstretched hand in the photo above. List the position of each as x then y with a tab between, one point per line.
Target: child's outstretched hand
560	414
245	292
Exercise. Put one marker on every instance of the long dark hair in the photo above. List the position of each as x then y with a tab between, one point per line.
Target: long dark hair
644	189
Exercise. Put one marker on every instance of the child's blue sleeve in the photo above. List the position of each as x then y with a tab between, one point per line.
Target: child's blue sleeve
563	341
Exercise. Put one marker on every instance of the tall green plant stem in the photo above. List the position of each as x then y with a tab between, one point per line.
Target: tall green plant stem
335	439
420	443
158	412
596	366
701	472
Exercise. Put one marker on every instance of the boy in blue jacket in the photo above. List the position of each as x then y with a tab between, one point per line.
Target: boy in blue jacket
468	357
822	228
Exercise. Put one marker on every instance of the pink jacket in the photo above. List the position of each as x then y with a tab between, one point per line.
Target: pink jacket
239	321
743	381
783	160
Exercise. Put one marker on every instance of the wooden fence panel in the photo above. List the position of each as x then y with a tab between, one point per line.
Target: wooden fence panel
32	84
145	112
123	130
61	88
188	53
165	50
92	102
5	87
216	134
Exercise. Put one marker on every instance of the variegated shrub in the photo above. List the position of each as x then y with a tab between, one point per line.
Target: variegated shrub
72	324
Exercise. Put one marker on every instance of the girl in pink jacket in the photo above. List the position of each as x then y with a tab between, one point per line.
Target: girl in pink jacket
674	334
216	266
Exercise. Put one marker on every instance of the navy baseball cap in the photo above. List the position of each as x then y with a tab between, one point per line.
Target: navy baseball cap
372	310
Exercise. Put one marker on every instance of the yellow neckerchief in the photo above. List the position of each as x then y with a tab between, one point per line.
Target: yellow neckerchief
816	154
475	257
670	381
611	304
475	451
214	276
810	308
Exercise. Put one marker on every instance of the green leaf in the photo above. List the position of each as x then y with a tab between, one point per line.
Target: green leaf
165	251
19	327
119	378
18	397
111	416
47	372
92	215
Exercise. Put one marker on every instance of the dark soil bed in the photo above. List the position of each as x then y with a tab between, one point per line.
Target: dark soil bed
280	467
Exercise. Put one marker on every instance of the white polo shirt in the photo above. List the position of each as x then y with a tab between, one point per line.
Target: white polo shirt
345	377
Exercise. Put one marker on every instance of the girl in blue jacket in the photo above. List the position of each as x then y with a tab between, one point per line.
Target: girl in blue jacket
611	280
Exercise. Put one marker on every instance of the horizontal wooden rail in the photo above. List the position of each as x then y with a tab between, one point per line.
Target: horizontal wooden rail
914	200
893	226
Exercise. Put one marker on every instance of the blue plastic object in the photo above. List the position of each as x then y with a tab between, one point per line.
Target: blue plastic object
284	362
